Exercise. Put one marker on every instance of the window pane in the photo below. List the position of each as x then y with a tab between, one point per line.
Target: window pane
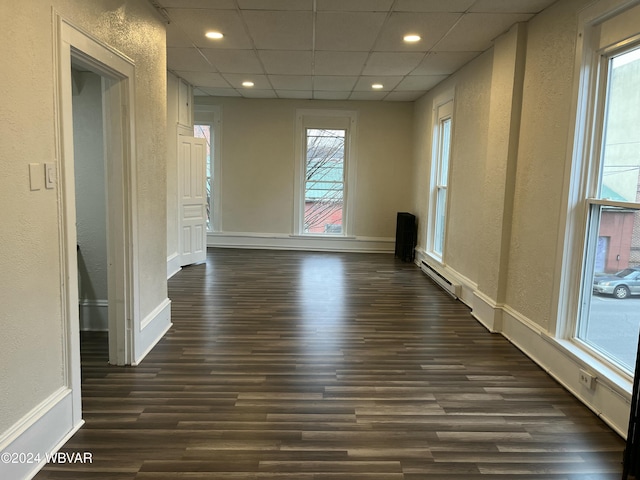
445	142
621	141
610	319
204	131
324	181
441	208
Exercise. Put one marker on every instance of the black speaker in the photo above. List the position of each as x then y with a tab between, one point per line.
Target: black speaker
405	236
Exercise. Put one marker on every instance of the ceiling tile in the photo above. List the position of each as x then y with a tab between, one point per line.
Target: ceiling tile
388	63
367	95
188	59
355	5
389	83
459	6
176	37
272	30
347	31
211	4
203	79
233	61
510	6
291	82
216	92
253	93
443	63
341	63
334	83
299	94
430	26
322	95
289	62
476	31
198	22
276	4
235	79
420	82
404	96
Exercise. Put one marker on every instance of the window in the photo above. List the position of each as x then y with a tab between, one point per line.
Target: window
608	158
207	125
325	173
441	154
324	180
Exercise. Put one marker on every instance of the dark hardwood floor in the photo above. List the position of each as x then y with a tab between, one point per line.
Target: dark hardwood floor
322	366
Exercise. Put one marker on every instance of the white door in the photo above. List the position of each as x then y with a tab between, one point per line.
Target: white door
192	174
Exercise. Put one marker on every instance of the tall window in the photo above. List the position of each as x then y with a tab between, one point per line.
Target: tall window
325	174
609	317
608	162
324	180
441	153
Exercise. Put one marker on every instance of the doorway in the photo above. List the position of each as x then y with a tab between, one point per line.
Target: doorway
115	74
91	208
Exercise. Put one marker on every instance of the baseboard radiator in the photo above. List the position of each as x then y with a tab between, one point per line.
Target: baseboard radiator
447	285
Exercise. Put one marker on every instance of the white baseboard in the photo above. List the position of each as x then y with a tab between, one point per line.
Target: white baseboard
562	360
173	264
487	312
301	242
152	329
94	315
42	431
611	397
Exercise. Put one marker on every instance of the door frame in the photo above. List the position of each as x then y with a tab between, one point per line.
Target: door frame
118	73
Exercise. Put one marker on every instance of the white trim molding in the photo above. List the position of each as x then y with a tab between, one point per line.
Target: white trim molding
173	264
152	329
40	432
301	242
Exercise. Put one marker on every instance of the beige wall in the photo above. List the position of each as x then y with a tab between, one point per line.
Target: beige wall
472	87
503	153
32	332
258	160
542	154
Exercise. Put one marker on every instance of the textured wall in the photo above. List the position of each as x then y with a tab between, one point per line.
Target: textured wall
468	155
31	343
258	160
542	154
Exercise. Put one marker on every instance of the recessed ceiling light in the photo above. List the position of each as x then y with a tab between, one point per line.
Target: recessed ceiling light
247	84
377	86
214	35
412	38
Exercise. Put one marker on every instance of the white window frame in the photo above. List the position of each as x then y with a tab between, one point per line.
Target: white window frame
602	33
211	115
334	120
443	110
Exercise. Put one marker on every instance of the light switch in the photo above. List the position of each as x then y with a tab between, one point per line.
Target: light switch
36	179
49	175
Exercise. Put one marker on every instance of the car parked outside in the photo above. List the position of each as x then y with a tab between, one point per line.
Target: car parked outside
622	284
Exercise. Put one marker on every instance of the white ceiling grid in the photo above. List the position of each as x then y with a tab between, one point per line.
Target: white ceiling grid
331	49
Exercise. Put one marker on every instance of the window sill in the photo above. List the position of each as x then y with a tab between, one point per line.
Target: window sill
616	381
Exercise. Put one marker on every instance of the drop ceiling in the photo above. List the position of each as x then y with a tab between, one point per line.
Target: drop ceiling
331	49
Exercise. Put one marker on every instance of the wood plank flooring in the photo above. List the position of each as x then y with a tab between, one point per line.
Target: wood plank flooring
325	366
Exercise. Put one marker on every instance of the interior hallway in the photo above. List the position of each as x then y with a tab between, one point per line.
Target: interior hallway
315	366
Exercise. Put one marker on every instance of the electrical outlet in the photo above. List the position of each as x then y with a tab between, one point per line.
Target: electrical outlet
587	379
